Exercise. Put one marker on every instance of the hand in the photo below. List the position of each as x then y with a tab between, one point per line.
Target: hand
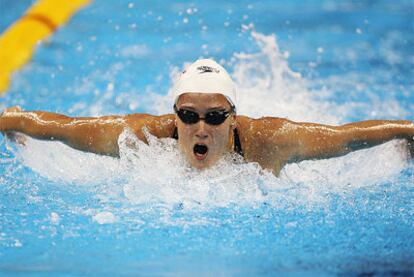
11	135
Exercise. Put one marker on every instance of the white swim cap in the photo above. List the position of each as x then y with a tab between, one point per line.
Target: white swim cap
206	76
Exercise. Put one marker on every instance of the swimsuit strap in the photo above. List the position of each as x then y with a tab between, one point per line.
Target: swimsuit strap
237	145
175	133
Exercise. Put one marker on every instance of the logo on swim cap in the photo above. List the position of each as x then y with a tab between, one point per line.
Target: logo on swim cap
207	69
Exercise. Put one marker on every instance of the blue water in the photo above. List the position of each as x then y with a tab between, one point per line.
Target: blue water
68	213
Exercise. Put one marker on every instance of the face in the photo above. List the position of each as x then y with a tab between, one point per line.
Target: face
203	144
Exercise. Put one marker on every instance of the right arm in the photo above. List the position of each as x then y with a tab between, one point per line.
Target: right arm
91	134
282	141
275	142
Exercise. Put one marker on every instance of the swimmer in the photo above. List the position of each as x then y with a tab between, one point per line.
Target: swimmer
206	125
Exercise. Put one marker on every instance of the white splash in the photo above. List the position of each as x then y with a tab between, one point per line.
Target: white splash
158	173
268	87
59	162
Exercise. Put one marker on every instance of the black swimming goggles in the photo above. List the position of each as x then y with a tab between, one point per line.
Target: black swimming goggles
211	118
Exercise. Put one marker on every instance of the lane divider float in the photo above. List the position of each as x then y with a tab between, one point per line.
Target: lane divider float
19	41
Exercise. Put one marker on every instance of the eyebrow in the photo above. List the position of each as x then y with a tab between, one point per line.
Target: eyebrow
217	108
187	106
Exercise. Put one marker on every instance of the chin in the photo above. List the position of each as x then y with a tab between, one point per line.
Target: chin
202	164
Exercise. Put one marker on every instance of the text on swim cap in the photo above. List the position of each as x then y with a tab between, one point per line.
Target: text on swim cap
207	69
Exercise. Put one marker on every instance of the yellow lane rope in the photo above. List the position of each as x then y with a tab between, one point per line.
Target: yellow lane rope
18	43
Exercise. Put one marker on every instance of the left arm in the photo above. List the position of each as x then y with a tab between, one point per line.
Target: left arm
316	141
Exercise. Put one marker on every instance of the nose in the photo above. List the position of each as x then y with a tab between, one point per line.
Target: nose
201	130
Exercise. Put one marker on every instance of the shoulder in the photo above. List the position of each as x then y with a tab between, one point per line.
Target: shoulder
159	126
265	140
263	127
258	132
260	135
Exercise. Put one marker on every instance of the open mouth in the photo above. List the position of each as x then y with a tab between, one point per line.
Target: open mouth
200	151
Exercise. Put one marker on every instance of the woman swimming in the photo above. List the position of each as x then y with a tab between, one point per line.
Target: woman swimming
207	127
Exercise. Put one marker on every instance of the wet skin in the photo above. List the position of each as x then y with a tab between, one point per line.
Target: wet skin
270	141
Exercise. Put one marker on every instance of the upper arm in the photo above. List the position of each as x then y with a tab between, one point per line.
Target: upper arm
279	141
100	135
318	141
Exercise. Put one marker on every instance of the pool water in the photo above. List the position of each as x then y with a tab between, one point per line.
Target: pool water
68	213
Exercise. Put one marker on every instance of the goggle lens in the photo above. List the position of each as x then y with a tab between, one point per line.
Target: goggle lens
211	118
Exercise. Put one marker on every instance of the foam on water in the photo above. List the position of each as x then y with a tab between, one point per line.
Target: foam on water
157	174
